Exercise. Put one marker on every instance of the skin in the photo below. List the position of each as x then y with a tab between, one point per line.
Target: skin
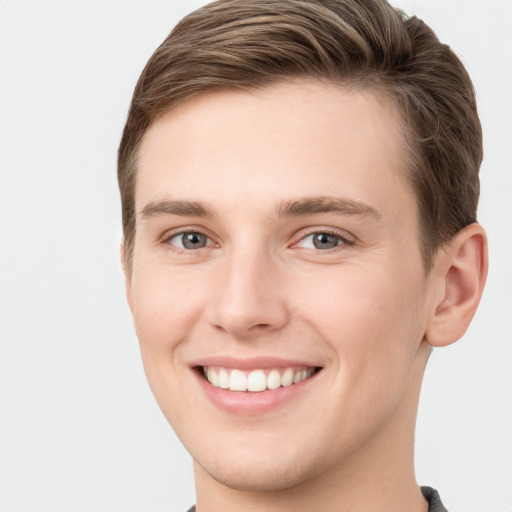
362	310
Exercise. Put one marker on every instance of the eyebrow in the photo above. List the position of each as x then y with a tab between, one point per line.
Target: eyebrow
289	208
316	205
176	207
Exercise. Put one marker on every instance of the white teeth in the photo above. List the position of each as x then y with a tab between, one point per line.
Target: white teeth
273	380
287	378
255	380
237	381
212	377
223	379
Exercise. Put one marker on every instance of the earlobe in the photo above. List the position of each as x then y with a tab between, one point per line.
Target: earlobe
459	276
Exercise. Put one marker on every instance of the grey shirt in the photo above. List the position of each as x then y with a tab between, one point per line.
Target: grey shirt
430	494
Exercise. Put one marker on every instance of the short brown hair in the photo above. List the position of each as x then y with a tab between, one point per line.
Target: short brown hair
248	44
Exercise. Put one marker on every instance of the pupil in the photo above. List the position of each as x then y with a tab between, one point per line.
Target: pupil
325	241
194	240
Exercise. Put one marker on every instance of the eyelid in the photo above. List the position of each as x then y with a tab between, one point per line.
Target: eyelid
183	233
346	238
178	230
182	230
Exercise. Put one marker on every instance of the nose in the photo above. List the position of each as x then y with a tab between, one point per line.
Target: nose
249	299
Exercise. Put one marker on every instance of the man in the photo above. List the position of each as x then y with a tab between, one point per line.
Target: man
299	184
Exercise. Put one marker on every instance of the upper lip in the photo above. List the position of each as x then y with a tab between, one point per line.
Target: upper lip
252	363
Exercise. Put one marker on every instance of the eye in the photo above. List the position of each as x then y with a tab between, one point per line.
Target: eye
322	241
190	240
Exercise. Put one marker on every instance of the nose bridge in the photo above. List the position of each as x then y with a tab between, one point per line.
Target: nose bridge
249	299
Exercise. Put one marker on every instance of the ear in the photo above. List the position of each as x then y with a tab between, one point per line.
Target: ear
459	276
127	276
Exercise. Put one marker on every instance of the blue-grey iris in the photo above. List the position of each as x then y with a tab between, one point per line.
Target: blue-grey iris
194	240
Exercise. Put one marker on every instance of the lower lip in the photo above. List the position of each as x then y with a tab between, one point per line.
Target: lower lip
249	403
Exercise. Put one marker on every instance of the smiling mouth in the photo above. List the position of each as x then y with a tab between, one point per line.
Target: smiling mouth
255	380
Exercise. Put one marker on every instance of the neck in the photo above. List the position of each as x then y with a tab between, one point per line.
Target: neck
378	477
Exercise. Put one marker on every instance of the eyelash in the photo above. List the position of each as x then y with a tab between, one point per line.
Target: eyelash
183	250
344	240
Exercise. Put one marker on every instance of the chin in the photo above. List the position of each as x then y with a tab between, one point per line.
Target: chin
260	466
272	476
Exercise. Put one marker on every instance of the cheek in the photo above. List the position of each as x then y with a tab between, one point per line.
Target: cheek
166	306
372	332
368	319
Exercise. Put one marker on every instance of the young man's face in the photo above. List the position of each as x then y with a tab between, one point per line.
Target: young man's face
277	239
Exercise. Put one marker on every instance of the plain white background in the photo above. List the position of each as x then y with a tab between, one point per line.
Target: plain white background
79	428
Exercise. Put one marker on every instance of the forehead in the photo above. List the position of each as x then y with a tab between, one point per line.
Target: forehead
294	138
